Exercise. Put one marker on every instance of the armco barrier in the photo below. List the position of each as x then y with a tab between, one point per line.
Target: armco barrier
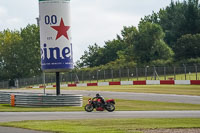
4	98
39	99
47	100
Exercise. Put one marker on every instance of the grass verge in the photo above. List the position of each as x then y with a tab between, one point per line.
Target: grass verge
106	125
159	89
121	105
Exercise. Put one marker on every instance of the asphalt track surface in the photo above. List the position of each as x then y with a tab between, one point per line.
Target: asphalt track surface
21	116
126	95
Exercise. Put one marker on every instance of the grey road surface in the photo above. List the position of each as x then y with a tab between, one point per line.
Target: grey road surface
20	116
126	95
17	130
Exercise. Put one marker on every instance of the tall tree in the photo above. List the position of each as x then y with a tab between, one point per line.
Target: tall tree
177	19
20	53
188	46
149	45
90	57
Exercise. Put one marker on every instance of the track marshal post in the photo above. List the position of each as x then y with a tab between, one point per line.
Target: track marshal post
55	37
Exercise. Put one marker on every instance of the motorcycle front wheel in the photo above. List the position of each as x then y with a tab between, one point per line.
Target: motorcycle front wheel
110	107
89	108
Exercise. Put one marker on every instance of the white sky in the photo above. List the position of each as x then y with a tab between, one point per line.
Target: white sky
92	20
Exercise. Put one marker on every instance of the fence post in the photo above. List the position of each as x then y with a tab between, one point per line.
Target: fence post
71	78
82	76
185	71
112	74
165	72
44	82
128	73
137	73
146	71
120	74
154	74
196	71
98	75
90	77
174	73
104	75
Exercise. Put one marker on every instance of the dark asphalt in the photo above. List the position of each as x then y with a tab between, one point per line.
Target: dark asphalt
17	130
21	116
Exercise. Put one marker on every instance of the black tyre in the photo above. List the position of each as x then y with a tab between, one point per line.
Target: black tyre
89	108
110	107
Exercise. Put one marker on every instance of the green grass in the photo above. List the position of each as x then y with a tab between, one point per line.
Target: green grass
159	89
121	105
106	125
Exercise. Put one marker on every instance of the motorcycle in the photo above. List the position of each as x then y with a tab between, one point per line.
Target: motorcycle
97	104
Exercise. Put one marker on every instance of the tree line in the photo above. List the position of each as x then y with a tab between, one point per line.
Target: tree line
170	36
20	53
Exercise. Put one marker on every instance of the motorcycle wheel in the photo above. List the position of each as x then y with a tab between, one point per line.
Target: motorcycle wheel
110	107
89	108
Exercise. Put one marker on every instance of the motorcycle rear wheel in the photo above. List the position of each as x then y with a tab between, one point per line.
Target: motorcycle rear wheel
110	107
89	108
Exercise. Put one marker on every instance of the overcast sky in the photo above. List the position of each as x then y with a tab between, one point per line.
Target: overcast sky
92	20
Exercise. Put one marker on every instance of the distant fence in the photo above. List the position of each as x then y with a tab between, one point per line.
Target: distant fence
4	84
126	74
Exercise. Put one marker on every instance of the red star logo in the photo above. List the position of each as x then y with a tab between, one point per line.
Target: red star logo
61	30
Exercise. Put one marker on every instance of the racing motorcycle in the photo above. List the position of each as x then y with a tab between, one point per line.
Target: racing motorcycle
99	105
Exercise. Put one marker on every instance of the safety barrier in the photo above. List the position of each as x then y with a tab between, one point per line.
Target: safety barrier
142	82
46	100
4	98
39	99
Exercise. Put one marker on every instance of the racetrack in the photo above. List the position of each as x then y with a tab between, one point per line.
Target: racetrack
126	95
20	116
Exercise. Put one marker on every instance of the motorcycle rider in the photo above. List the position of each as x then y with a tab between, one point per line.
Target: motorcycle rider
100	99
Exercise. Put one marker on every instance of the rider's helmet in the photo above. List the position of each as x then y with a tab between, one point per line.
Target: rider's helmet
97	95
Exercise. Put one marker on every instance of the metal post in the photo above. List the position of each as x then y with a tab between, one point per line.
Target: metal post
154	73
104	73
128	73
185	71
97	75
44	83
71	78
196	71
165	72
146	72
57	83
120	78
137	73
90	77
112	74
82	77
174	73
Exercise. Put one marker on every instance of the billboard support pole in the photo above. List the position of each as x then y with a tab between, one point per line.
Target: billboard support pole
57	83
